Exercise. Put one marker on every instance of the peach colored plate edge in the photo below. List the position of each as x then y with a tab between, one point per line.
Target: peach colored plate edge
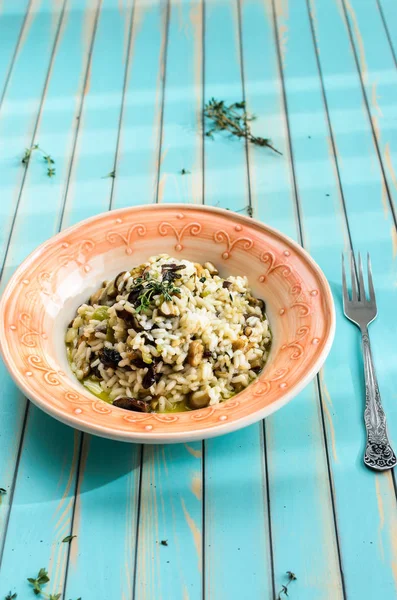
220	428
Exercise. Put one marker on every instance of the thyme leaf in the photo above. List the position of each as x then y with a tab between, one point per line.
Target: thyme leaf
234	119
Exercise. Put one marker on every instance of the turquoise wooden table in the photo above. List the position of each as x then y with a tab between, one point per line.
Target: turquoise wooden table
119	86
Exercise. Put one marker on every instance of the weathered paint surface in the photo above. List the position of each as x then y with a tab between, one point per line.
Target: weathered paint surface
119	86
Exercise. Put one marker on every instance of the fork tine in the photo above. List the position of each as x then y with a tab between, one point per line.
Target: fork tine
370	282
361	285
353	278
344	284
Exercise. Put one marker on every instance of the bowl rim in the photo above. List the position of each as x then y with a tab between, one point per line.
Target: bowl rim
181	436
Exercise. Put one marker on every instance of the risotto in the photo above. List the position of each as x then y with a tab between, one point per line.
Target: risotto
169	335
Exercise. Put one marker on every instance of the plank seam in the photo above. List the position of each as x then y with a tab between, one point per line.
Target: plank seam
163	83
382	16
138	519
331	485
15	53
203	500
269	515
14	479
242	74
122	105
289	142
364	94
203	497
203	99
76	494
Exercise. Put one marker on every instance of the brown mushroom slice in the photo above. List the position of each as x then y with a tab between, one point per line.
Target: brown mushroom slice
131	404
257	302
195	353
256	363
119	279
238	344
97	296
199	399
211	268
238	387
111	290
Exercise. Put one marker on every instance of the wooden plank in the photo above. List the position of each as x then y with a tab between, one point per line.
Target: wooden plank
46	487
140	132
12	21
236	522
364	501
104	521
170	525
302	523
90	186
374	60
17	126
171	489
182	140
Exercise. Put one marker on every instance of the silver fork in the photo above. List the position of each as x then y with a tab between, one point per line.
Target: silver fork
362	311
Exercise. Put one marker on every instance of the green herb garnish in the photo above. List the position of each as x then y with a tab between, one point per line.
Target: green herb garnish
68	538
37	582
11	596
2	491
284	588
234	119
147	288
184	172
47	158
112	174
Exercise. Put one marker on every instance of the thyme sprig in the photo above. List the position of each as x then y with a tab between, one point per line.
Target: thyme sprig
284	588
147	287
234	119
47	158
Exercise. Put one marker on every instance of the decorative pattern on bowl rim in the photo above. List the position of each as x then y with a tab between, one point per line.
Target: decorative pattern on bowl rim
26	345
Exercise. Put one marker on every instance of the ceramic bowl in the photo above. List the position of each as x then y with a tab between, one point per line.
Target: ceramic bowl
55	279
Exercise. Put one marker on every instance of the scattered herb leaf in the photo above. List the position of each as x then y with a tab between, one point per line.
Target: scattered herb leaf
47	158
112	174
68	538
203	279
284	588
2	491
234	119
11	596
185	172
164	542
37	582
248	208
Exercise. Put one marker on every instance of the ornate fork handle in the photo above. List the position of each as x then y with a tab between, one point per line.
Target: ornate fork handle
379	454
